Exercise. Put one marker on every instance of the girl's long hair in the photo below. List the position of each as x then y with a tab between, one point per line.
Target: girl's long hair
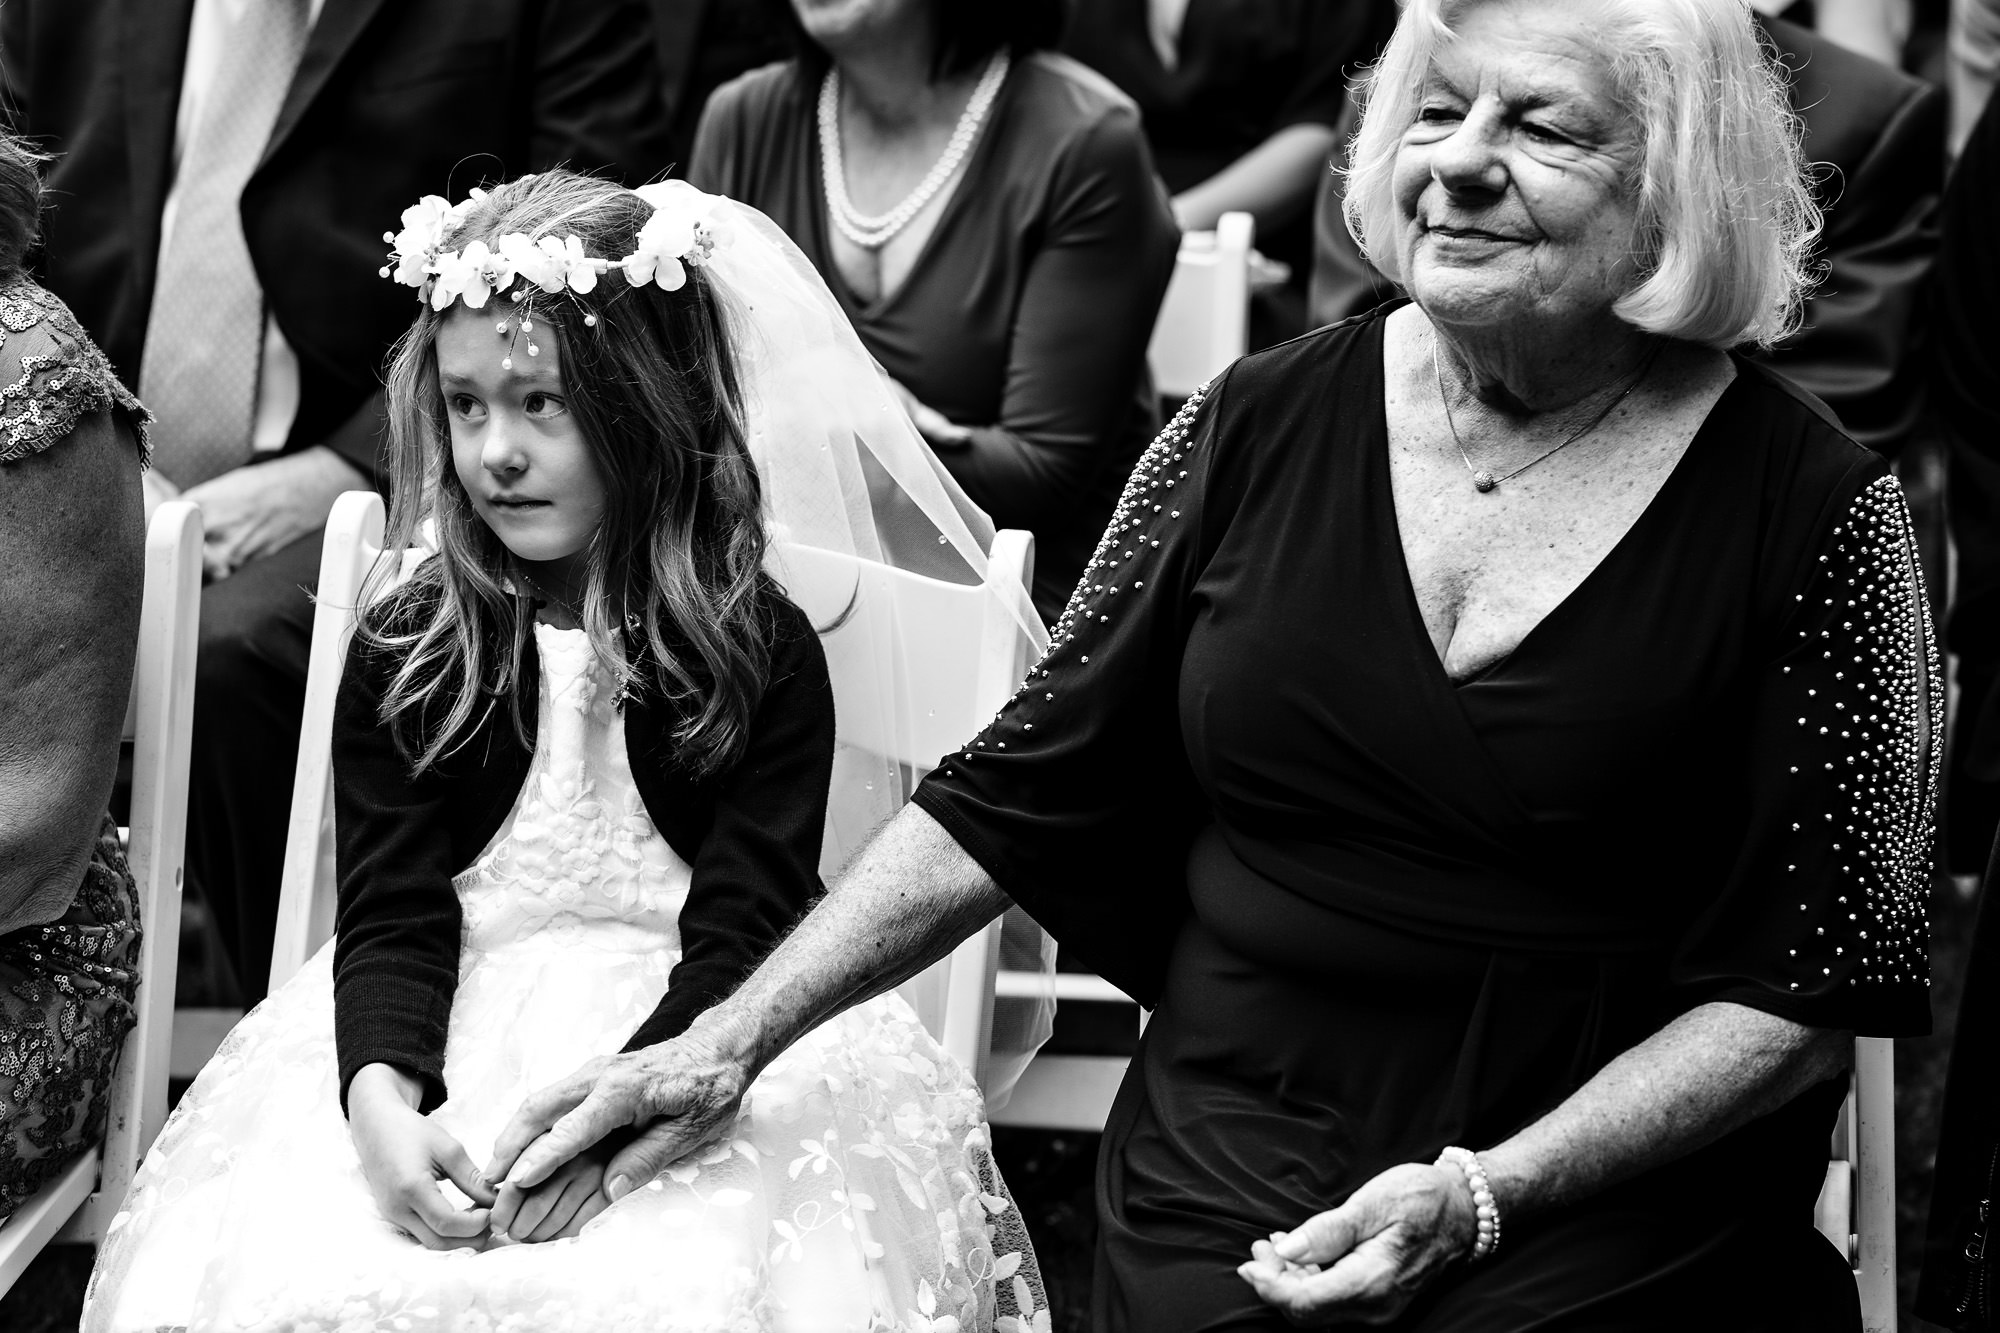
675	582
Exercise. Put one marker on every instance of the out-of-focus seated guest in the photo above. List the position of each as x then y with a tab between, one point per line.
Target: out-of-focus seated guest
1876	139
1956	1290
987	214
1964	372
1494	736
1873	28
1973	61
72	442
1240	99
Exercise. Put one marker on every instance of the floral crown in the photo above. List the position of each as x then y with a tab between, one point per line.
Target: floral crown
682	231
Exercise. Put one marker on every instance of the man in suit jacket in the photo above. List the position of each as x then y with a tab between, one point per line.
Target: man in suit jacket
389	100
1879	137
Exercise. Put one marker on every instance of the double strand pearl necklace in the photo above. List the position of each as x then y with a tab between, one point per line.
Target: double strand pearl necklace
872	233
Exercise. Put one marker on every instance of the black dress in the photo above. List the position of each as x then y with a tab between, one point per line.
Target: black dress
1378	912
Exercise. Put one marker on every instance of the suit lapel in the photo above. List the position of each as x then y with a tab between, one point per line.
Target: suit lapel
340	23
154	38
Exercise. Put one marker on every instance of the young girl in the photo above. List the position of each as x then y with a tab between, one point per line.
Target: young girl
581	758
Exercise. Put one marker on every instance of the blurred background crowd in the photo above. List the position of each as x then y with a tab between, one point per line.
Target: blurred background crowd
219	175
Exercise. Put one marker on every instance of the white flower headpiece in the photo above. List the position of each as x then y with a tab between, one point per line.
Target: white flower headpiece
682	231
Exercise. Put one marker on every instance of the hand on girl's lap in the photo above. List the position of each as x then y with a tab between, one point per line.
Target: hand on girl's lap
557	1207
404	1154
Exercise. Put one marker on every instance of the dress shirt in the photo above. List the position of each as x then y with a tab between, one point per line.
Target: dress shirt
278	369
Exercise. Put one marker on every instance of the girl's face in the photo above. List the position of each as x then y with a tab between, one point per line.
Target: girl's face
518	450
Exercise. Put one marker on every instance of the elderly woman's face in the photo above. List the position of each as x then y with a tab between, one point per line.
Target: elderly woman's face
1511	187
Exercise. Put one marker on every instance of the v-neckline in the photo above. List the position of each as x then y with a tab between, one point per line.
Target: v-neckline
868	311
1663	500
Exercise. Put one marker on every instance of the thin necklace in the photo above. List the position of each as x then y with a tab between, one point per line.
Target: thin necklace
874	232
568	608
1485	481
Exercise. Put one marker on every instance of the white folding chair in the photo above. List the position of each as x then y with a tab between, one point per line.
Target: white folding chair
1857	1204
306	893
958	658
1204	319
954	656
1063	1091
79	1204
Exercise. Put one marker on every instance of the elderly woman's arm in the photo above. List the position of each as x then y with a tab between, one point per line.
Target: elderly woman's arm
71	544
1712	1070
906	901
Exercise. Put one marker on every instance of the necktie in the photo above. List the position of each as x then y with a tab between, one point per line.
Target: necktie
205	332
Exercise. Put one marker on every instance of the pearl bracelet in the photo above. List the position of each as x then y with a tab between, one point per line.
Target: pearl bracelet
1487	1211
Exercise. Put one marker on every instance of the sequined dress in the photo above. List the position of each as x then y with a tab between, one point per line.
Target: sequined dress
1380	911
66	987
855	1192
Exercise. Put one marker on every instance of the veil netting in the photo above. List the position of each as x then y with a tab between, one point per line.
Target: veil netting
845	470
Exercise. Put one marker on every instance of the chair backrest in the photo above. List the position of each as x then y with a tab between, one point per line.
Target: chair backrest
957	657
306	893
950	656
1204	320
160	723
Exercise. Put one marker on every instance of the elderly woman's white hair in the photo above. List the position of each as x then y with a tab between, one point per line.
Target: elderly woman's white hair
1726	218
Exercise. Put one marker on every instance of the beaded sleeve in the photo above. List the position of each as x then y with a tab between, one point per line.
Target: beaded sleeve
60	377
1824	919
1075	797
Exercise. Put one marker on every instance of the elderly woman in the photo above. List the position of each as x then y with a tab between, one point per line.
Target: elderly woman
1493	735
71	536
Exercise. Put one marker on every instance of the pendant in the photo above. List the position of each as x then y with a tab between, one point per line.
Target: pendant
1484	481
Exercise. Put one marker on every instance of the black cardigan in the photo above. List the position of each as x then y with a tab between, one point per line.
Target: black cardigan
751	834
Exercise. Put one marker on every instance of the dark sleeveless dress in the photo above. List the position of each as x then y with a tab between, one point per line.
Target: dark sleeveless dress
66	988
1378	911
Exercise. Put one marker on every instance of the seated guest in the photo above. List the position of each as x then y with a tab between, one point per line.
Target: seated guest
1875	137
1873	28
988	216
1974	59
1241	100
72	442
1956	1289
1494	736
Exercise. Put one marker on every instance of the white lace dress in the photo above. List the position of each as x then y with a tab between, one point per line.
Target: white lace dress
856	1190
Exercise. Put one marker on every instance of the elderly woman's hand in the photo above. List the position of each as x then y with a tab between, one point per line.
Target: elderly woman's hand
1364	1261
679	1095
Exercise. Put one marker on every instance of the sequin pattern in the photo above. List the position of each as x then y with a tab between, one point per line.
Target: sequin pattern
1146	510
59	387
1866	704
